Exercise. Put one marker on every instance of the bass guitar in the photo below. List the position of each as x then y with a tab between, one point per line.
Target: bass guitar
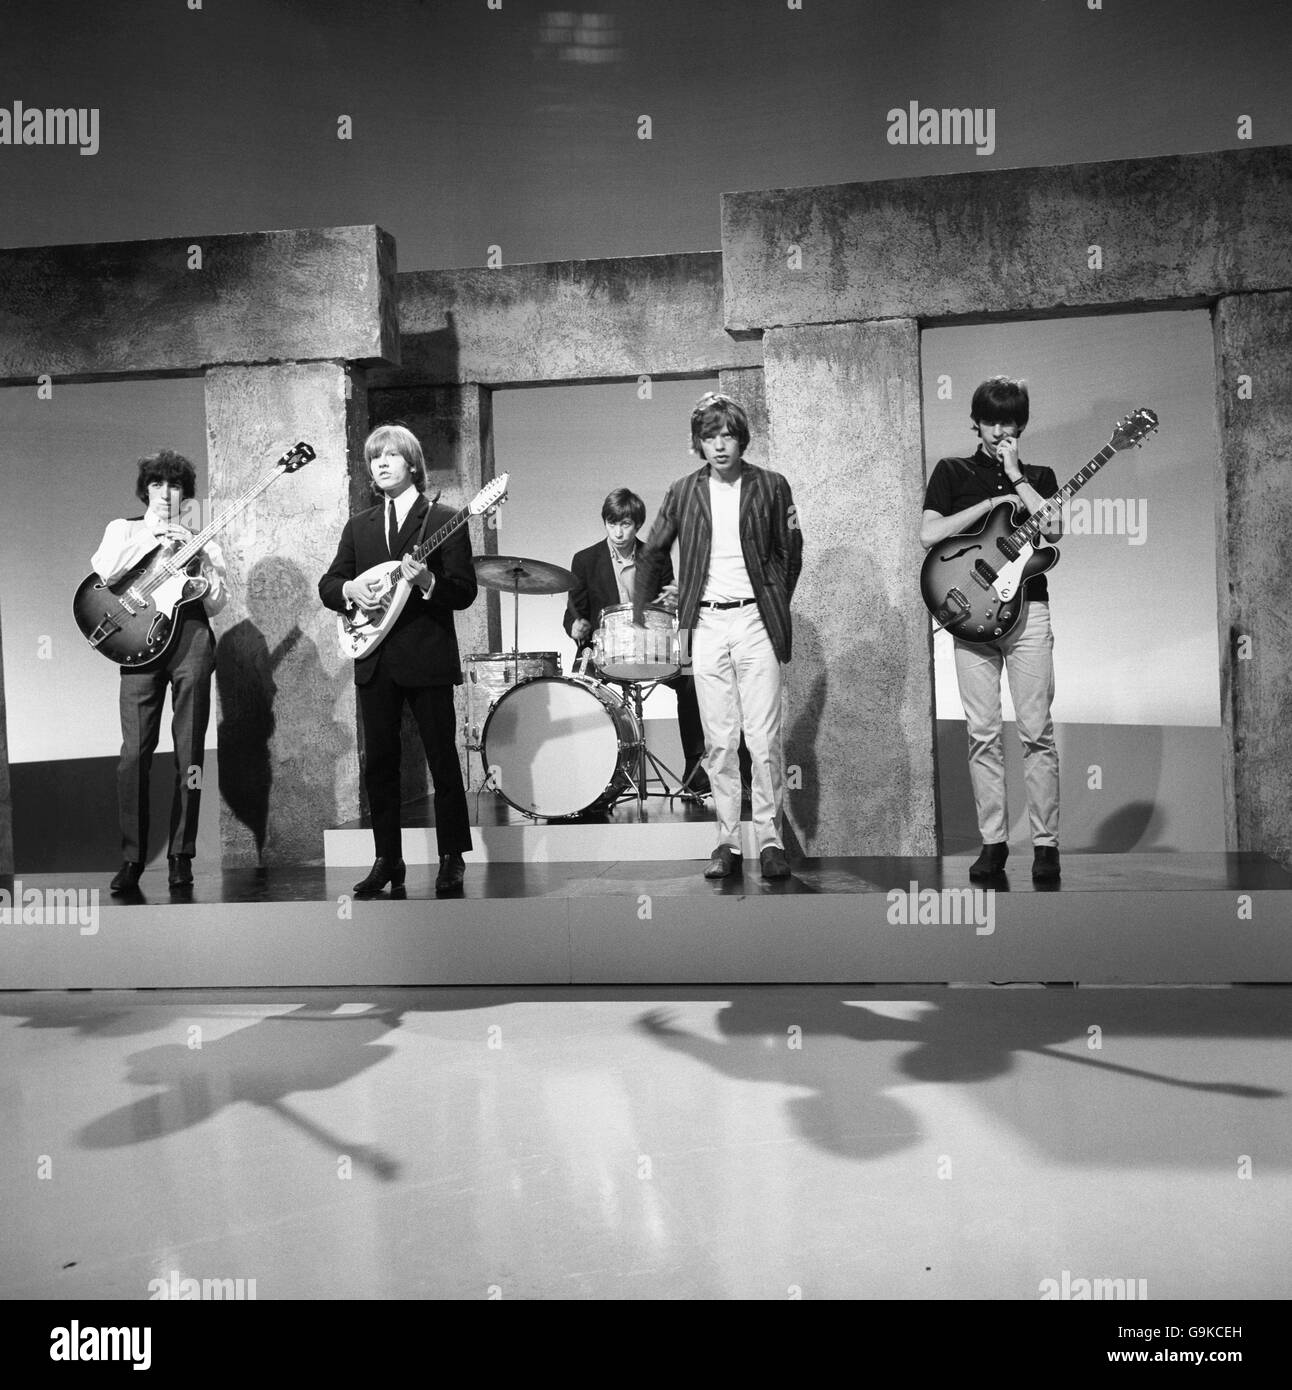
364	629
132	620
975	583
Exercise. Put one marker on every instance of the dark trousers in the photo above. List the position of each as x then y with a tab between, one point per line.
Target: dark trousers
688	716
185	671
381	704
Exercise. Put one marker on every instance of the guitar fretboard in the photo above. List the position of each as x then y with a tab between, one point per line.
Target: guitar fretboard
1029	530
433	543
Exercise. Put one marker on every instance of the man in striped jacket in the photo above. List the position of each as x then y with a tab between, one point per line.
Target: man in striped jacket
740	553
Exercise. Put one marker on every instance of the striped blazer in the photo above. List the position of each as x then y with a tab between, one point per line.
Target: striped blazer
770	541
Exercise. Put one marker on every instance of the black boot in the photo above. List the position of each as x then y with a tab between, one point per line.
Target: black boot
1045	864
449	879
991	862
126	878
179	871
384	871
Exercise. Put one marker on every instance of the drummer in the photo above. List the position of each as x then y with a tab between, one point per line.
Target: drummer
604	575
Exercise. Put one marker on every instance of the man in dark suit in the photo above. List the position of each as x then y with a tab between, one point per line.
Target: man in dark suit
417	662
604	576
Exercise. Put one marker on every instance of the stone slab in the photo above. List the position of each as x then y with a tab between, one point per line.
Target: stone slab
565	321
1011	241
136	307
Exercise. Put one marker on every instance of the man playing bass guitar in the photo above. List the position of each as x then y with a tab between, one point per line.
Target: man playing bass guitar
166	480
961	494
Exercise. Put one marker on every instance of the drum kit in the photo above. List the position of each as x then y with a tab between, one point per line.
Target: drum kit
556	747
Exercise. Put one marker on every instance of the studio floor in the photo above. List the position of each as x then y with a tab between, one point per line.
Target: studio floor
664	1143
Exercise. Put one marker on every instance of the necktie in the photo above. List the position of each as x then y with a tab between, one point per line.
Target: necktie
392	531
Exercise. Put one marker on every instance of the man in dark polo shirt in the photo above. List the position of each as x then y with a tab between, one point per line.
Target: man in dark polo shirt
960	494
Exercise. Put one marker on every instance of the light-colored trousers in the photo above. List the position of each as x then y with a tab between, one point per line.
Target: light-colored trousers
1027	655
738	686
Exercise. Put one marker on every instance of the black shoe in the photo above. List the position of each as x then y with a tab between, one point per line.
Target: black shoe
126	878
991	862
1045	864
179	870
773	862
723	862
449	878
695	779
383	872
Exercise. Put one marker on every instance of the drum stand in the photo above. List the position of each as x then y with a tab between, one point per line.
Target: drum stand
646	760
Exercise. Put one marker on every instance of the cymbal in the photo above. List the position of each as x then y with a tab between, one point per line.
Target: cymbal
513	574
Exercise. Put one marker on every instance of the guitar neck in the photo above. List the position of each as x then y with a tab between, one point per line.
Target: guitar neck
433	543
1038	521
193	547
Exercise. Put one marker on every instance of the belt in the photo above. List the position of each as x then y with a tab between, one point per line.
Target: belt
735	603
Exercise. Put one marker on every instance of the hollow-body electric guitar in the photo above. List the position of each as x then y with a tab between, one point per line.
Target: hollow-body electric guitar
132	620
975	583
362	631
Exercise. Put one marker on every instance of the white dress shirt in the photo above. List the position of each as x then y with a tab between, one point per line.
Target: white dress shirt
127	541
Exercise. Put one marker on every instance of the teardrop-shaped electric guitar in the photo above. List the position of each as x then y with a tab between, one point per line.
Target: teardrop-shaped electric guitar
362	630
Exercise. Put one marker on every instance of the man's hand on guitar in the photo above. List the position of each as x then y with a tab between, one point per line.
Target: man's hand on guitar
417	574
362	592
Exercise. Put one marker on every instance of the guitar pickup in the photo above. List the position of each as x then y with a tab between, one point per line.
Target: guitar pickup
983	574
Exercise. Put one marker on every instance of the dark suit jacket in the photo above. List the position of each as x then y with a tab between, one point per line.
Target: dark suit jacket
595	586
770	541
422	647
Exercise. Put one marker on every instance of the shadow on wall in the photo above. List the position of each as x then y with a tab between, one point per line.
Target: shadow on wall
278	740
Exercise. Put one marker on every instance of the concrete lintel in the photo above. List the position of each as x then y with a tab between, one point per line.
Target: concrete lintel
148	307
565	321
1010	241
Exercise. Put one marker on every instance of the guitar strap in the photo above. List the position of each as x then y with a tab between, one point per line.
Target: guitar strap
421	535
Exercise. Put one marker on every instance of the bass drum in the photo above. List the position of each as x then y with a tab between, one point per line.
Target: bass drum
489	675
560	746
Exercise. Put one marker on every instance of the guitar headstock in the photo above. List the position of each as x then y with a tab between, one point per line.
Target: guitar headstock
1133	429
296	457
490	495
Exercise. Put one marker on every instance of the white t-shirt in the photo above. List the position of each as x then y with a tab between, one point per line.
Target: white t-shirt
728	579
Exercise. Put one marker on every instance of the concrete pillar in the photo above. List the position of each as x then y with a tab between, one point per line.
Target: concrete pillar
1253	342
286	709
843	405
455	426
746	385
6	792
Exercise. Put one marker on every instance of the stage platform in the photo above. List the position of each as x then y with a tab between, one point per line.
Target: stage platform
1114	919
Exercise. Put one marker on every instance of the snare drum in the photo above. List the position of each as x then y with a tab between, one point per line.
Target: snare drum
490	675
559	746
626	653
